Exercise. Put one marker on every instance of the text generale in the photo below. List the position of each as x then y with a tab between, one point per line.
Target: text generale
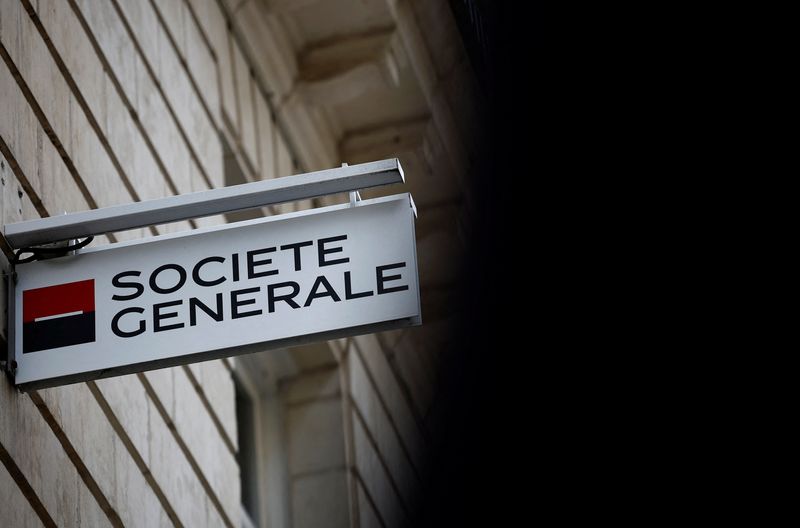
276	292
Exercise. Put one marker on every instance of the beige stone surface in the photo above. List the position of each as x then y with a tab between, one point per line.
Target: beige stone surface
202	67
179	106
311	386
164	134
17	511
179	481
132	152
120	481
217	384
143	21
371	357
212	24
174	14
320	500
396	457
204	442
75	49
244	96
376	479
266	137
86	426
284	165
228	96
107	28
412	362
40	457
315	436
127	399
367	516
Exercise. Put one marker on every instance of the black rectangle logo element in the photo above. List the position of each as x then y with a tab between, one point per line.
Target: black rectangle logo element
58	332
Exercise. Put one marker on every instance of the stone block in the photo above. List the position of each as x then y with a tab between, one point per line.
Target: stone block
42	76
227	73
104	455
175	227
213	24
173	78
202	67
212	21
366	514
145	26
284	166
313	356
114	41
131	234
244	96
16	205
217	384
164	135
93	164
29	212
134	156
266	139
18	127
203	440
174	14
376	480
75	49
127	398
383	433
58	192
315	436
17	511
163	383
311	386
374	360
210	221
40	457
206	143
303	205
320	501
152	438
177	479
409	362
9	27
134	499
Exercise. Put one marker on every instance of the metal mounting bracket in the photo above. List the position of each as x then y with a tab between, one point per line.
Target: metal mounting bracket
204	203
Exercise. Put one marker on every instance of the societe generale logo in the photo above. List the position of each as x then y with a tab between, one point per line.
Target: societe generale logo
58	316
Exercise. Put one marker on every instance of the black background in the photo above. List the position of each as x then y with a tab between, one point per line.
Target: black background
480	471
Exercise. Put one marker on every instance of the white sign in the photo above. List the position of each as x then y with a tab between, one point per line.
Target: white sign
222	291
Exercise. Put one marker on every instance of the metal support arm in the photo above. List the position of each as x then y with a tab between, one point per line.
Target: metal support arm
205	203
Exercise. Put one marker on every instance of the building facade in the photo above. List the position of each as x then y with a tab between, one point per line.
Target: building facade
106	102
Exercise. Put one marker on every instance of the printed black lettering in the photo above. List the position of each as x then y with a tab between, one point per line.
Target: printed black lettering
196	272
236	303
288	298
158	316
178	285
296	247
139	289
122	333
252	263
383	279
348	289
195	303
329	291
325	251
235	266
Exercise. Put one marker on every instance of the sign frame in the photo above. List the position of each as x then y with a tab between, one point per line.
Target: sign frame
227	351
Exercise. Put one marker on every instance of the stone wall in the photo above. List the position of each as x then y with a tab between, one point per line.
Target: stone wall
105	102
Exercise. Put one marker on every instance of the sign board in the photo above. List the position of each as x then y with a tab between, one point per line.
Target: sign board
221	291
